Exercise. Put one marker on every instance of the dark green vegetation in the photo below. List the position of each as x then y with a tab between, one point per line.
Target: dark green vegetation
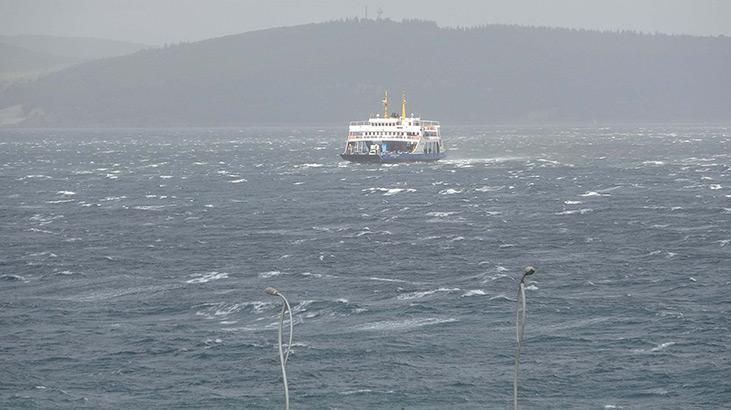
334	72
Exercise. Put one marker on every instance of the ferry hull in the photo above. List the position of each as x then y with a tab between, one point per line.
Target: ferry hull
383	158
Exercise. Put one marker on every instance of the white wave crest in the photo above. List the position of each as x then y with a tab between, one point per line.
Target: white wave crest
474	292
207	277
576	211
270	274
421	294
405	324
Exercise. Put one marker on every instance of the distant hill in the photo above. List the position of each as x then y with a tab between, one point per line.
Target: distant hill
18	59
76	48
27	57
334	72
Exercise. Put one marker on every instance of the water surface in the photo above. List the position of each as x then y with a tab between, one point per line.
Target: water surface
133	264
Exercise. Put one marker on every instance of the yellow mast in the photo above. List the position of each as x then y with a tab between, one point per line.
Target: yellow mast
403	105
385	105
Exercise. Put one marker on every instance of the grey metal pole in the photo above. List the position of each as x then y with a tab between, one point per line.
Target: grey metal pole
520	330
282	357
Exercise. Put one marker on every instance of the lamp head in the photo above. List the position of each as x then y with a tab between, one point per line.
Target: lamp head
529	270
271	292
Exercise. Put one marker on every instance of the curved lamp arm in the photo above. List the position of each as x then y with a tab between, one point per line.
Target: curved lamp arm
282	357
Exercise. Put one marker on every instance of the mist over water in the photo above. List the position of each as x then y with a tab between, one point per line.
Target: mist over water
133	265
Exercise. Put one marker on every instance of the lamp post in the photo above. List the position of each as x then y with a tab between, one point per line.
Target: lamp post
282	357
520	330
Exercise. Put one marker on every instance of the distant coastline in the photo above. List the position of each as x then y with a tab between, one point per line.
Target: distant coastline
322	74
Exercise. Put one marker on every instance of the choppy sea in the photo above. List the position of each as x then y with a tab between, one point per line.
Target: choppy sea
133	263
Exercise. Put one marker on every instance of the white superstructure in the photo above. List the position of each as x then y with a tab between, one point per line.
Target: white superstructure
394	138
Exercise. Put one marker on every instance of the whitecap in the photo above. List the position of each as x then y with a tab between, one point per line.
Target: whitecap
715	187
117	198
207	277
405	324
501	297
572	202
661	346
421	294
238	181
487	188
44	253
388	191
450	191
393	191
270	274
575	211
149	207
68	193
349	392
441	214
592	193
474	292
388	280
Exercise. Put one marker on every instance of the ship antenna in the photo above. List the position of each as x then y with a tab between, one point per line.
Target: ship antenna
520	330
403	105
282	357
385	105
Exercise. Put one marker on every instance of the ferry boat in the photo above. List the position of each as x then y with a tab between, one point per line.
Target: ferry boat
394	138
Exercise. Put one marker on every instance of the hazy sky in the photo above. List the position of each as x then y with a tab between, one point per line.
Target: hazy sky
169	21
